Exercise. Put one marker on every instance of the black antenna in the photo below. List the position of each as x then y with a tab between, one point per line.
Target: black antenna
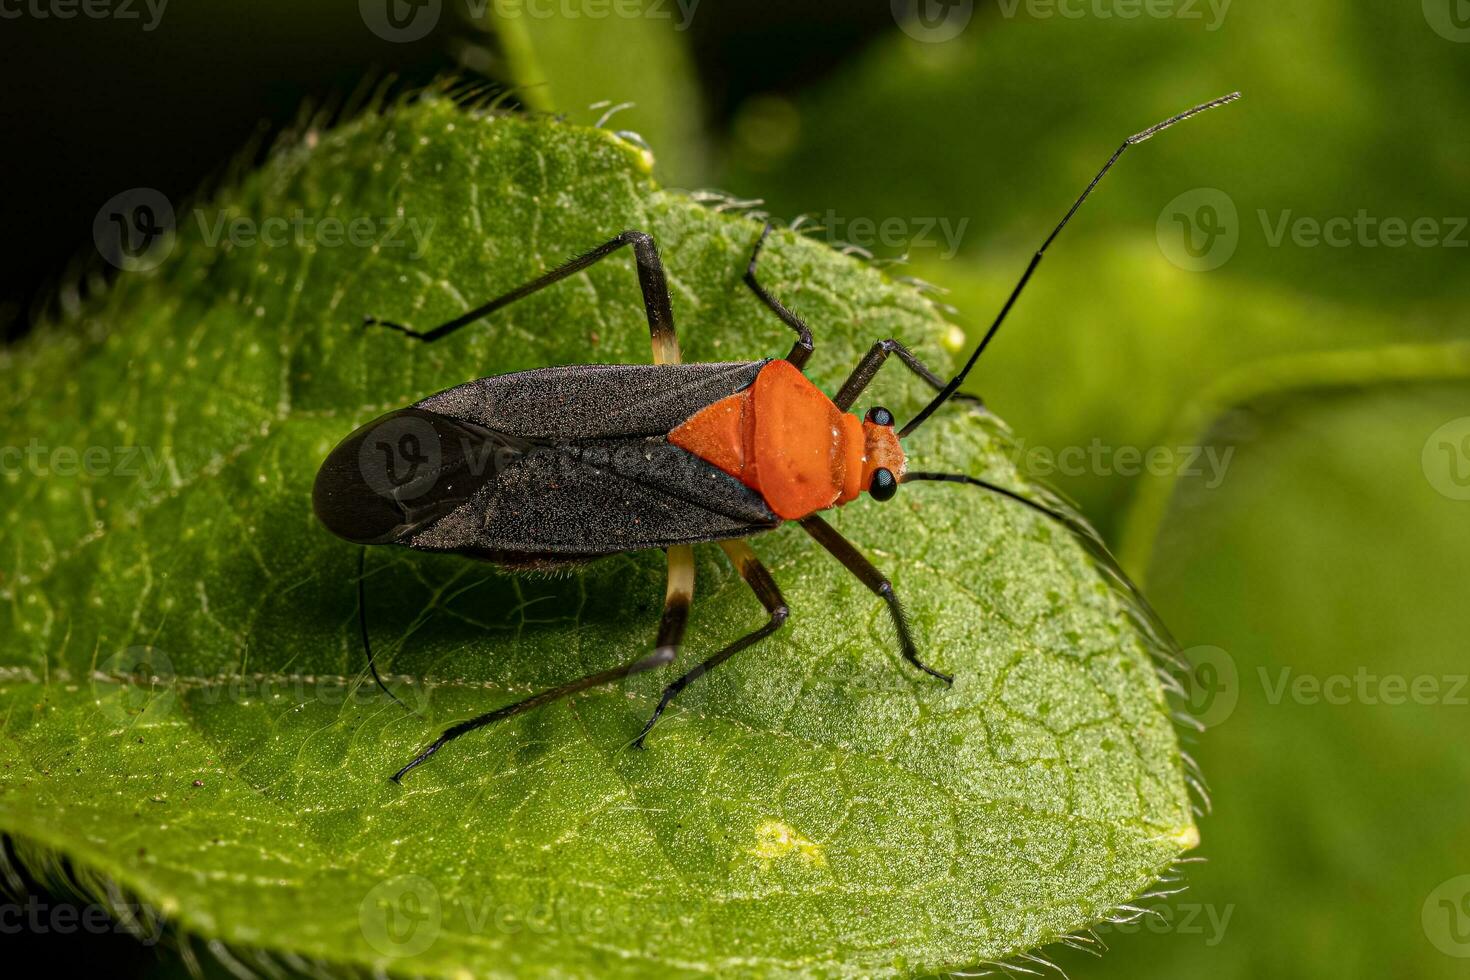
1085	535
954	384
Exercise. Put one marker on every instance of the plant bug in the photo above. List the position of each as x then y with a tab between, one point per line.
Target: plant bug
552	467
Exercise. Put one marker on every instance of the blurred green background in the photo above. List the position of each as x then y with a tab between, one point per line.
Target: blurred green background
1248	360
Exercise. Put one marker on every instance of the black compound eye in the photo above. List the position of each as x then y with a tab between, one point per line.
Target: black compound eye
879	416
884	485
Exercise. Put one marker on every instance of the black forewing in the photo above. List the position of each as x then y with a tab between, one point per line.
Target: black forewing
599	476
593	401
403	471
600	498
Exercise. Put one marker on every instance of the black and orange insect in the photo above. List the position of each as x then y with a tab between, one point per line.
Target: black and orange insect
557	466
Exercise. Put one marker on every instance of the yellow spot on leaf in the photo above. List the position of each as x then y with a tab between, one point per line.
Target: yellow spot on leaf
776	841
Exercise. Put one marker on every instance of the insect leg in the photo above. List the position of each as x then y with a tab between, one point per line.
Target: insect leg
670	634
802	349
651	278
367	645
867	368
843	551
766	590
676	601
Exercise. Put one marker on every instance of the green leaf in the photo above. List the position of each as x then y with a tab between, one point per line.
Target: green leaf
1337	678
634	55
185	716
